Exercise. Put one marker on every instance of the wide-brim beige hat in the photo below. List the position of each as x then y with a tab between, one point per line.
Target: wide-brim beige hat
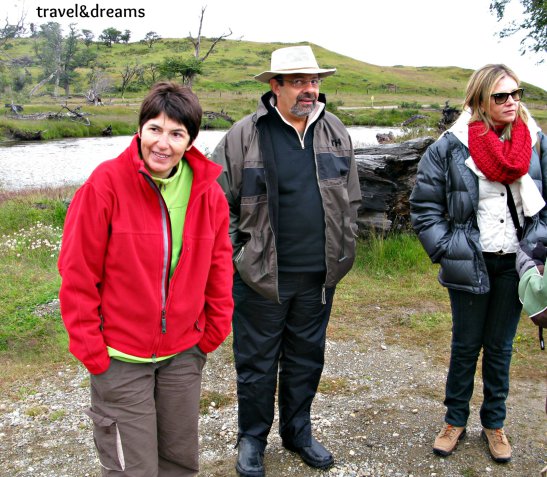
291	60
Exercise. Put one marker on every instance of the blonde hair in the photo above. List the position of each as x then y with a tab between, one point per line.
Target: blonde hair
479	88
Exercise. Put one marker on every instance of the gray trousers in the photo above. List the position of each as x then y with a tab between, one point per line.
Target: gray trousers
146	415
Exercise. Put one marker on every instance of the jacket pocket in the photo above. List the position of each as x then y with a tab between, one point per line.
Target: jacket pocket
107	441
460	262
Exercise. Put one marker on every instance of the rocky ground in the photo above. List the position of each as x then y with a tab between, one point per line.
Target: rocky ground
378	412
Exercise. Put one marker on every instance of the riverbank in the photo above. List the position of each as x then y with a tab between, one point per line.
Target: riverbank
121	117
122	120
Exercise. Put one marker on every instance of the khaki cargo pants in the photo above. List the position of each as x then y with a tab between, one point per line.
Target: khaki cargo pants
146	416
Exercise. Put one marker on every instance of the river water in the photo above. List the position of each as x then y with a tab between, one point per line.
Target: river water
53	163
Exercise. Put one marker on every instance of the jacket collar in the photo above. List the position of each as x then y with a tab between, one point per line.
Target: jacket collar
205	171
460	130
532	201
266	105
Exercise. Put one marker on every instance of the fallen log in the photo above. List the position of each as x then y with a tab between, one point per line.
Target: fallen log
71	114
216	115
26	135
387	173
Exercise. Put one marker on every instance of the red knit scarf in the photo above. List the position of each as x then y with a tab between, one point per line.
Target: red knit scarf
501	161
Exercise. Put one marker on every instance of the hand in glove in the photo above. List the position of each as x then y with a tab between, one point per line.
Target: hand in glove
530	255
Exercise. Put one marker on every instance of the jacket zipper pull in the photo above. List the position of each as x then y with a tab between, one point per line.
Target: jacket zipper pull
323	296
163	322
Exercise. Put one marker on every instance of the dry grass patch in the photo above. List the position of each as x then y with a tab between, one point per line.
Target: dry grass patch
432	393
338	386
36	411
214	400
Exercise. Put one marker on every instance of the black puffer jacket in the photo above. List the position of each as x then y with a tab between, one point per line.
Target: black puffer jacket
443	208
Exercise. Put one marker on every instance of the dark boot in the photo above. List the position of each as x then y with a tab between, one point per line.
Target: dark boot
314	455
250	457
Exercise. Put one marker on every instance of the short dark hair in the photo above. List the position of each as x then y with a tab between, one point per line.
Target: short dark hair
178	103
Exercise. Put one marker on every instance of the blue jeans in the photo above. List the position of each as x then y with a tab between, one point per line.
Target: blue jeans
488	322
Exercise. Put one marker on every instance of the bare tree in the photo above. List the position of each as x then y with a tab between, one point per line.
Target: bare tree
197	44
197	41
41	83
9	32
98	84
12	30
153	71
129	73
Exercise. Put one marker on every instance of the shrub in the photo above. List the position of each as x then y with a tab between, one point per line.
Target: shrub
412	105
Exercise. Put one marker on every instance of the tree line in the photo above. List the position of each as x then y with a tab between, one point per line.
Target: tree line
59	55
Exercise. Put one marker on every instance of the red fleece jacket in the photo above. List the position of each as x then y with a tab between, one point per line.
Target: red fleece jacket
115	251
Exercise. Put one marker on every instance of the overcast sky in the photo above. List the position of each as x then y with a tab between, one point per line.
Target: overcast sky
382	32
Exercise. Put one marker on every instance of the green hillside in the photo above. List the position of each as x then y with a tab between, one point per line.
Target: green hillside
226	83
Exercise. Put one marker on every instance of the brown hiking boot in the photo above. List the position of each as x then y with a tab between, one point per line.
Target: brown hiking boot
447	440
498	445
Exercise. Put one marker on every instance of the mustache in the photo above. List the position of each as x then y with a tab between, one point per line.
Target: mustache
302	96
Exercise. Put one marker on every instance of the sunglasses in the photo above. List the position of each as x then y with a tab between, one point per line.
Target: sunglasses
501	98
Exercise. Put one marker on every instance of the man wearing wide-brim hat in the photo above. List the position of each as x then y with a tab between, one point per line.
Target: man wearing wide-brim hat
291	182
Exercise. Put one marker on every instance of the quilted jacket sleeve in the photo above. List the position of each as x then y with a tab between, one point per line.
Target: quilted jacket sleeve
428	209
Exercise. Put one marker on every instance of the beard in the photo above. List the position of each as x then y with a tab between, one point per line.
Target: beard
301	110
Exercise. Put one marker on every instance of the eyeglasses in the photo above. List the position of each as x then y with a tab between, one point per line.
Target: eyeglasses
300	83
501	98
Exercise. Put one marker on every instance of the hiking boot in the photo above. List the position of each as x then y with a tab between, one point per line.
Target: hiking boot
250	457
498	445
315	455
447	440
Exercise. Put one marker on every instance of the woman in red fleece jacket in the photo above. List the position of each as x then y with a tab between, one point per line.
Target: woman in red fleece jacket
146	266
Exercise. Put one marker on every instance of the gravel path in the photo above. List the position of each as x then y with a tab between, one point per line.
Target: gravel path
378	417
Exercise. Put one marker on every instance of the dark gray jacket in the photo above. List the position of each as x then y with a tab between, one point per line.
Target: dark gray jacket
248	180
443	208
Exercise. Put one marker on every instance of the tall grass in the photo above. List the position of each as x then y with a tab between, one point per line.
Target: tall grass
399	253
64	128
30	239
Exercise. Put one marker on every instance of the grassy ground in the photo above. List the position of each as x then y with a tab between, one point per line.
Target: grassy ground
392	282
